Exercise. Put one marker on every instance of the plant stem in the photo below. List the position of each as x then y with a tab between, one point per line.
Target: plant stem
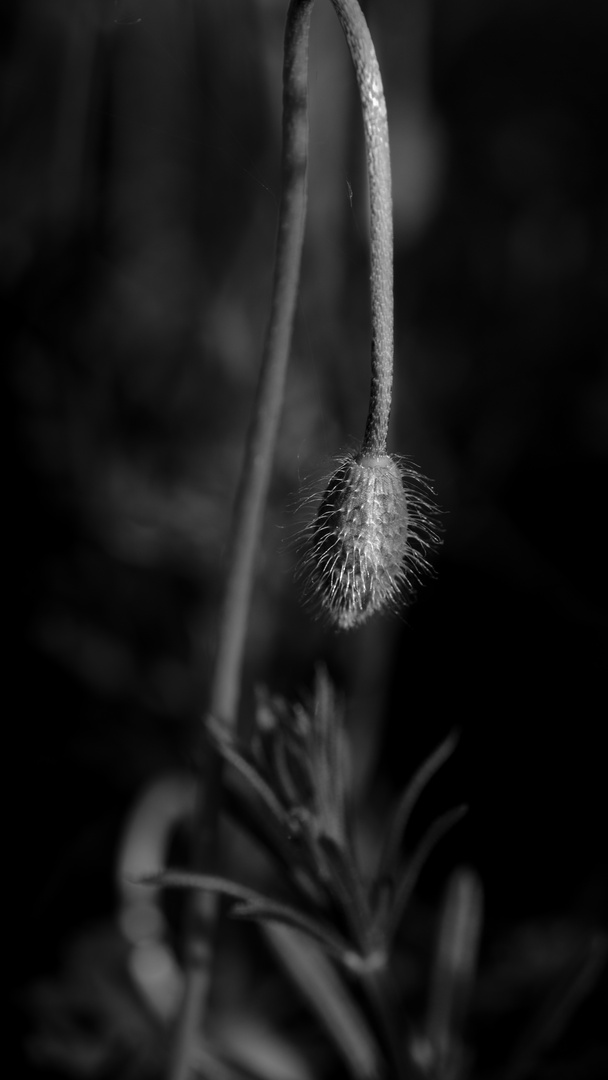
247	524
381	220
255	477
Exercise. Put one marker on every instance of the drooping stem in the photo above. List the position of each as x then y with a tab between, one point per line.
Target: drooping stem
253	488
381	220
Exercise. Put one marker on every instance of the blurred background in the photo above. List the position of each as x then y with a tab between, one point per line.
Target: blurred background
139	190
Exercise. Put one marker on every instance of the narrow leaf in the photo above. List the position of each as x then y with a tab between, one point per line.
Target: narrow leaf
253	905
392	847
454	969
411	870
328	996
247	771
252	817
344	884
270	911
186	879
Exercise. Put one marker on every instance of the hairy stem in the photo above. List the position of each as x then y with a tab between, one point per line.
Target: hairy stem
381	220
253	488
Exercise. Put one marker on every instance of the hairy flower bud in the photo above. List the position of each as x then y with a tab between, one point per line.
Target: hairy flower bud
368	540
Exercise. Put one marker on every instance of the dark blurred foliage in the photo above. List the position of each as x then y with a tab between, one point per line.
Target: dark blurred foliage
139	187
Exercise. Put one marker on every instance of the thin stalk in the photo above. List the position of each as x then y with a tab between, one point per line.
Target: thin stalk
255	477
248	514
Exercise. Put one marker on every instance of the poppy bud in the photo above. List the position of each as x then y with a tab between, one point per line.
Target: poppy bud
368	539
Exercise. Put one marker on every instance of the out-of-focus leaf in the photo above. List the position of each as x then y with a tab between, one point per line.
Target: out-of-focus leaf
253	905
346	887
327	994
406	882
454	971
246	770
288	916
247	1047
394	836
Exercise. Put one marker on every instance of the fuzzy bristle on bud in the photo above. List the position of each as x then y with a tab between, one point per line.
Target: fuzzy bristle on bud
368	540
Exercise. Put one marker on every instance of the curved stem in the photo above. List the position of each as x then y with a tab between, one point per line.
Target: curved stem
381	220
251	497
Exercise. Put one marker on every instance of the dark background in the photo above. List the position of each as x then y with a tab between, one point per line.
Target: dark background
139	188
